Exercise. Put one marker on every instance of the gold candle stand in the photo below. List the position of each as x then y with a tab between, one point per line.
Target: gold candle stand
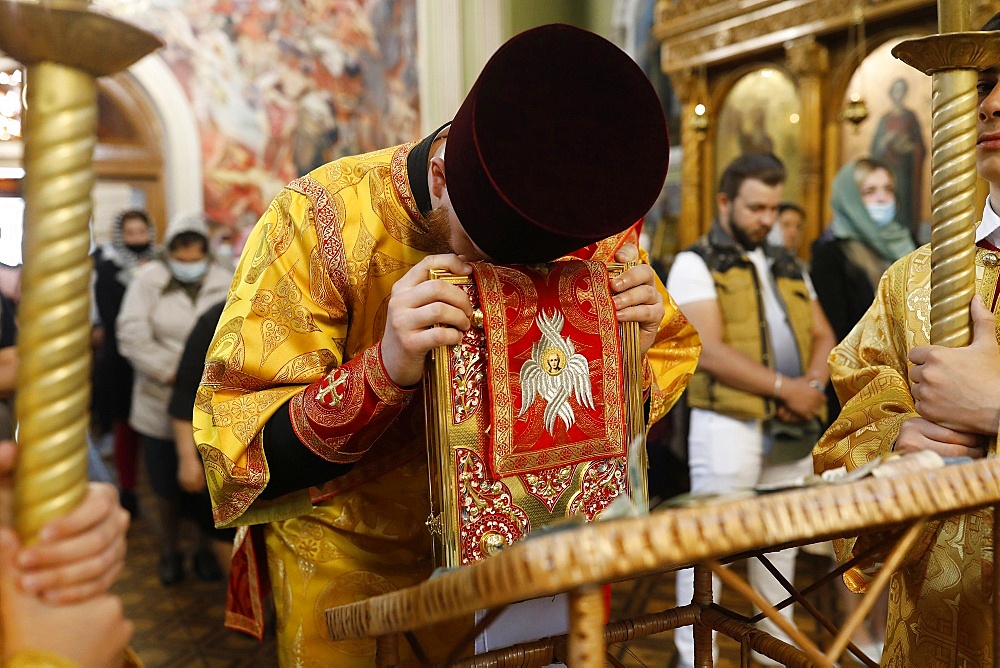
64	46
953	59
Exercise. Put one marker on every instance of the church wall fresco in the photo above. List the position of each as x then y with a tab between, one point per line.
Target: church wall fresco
279	88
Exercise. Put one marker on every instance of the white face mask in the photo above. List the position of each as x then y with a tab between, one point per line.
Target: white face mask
188	272
882	213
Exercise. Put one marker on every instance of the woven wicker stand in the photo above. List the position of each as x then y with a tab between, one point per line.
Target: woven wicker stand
580	560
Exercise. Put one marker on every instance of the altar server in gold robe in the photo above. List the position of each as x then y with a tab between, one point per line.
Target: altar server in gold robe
901	394
309	418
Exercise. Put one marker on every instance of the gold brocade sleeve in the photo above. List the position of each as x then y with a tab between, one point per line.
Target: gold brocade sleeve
41	659
869	370
38	659
309	295
672	359
274	338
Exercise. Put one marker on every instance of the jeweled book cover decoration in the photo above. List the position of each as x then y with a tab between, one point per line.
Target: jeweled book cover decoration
530	417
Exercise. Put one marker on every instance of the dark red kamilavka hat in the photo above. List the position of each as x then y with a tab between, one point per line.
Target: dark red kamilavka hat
560	143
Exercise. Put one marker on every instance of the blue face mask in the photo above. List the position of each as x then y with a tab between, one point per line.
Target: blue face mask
882	213
188	272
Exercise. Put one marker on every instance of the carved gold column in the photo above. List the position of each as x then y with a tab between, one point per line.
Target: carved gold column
691	91
64	46
953	59
809	63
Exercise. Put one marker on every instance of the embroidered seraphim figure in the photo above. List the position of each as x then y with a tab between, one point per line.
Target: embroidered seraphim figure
554	372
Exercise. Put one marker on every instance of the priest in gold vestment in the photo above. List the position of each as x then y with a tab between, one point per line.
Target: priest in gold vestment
901	394
309	419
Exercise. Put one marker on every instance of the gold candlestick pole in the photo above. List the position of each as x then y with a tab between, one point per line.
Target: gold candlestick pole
65	46
953	59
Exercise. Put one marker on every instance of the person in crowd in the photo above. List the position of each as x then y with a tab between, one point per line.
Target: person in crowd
222	244
863	239
902	395
309	418
54	605
190	470
8	365
789	230
848	261
159	309
115	266
759	390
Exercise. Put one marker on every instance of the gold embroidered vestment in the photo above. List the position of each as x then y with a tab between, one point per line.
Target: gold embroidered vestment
940	600
311	294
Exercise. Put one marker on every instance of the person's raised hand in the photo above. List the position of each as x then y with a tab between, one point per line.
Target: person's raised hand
636	297
959	388
76	556
917	433
422	315
91	633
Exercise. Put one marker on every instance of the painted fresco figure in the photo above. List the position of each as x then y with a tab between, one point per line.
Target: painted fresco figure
899	143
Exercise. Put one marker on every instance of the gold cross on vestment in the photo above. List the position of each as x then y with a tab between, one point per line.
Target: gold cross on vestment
329	392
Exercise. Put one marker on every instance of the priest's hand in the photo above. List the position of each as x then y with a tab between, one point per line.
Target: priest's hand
76	556
959	388
422	315
917	433
636	297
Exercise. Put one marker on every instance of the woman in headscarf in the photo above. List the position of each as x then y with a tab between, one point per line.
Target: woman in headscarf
847	263
862	241
114	266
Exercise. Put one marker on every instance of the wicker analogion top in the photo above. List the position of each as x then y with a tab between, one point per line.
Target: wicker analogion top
622	549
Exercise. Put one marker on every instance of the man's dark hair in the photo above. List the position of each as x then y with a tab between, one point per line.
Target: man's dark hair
992	24
760	166
791	206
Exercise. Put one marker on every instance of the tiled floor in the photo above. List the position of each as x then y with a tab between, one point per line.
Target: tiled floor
180	626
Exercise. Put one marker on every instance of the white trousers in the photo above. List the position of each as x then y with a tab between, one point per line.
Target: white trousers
726	455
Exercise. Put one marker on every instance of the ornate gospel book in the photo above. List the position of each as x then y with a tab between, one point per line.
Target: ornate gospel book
530	417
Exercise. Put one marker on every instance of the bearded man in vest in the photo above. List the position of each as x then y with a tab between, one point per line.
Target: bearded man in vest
757	398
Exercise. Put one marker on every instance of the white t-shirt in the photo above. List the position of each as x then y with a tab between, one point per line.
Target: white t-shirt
989	229
691	281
